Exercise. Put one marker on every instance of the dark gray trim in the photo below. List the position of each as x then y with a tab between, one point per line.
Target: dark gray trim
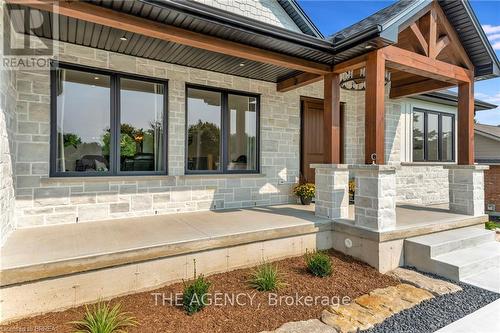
448	97
440	115
233	20
114	158
224	158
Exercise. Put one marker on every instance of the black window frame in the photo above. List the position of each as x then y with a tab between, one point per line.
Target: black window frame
440	115
115	112
225	121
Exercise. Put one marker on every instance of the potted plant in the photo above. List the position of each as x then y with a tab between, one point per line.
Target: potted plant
305	192
352	190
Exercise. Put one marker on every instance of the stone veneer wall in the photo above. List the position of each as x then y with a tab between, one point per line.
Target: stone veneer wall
422	184
8	126
268	11
41	200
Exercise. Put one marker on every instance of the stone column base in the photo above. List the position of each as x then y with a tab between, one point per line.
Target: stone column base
332	195
375	199
466	188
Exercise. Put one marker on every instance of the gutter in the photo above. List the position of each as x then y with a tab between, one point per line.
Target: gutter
232	20
359	37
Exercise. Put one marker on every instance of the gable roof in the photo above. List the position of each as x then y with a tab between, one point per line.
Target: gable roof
382	29
297	14
489	131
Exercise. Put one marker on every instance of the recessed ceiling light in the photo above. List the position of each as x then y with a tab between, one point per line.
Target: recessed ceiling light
368	47
123	38
242	65
96	78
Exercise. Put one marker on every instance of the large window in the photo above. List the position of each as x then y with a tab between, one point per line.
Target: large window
433	136
106	123
222	131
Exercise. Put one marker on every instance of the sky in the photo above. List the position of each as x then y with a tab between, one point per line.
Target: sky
331	16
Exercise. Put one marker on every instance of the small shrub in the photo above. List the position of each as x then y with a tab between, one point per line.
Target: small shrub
319	264
267	277
306	191
101	318
195	295
491	225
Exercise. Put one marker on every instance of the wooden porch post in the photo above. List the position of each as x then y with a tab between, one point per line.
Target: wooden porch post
466	123
374	107
331	119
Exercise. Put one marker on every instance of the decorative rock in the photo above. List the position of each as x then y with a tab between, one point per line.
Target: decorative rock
435	286
306	326
339	323
374	308
377	304
413	294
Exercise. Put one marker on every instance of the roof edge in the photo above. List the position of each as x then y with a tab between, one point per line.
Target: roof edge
242	22
303	15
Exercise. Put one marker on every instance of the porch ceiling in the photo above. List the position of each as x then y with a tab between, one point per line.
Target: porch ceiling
197	18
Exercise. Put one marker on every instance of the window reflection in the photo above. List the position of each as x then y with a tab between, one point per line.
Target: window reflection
432	137
418	136
204	127
242	133
141	126
83	121
447	129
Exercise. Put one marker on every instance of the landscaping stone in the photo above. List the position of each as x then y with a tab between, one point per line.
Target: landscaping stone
305	326
374	308
435	286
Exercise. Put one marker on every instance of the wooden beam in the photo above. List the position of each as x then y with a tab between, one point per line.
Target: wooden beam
297	81
432	33
331	119
126	22
417	64
350	64
417	88
441	44
422	43
375	107
456	44
465	131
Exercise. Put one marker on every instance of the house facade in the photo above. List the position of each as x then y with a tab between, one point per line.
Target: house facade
37	193
487	145
149	108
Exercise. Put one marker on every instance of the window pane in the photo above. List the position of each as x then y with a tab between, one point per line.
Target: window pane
83	121
204	126
418	136
242	133
141	128
432	137
447	128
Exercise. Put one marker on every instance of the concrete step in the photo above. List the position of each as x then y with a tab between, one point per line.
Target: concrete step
489	279
459	264
455	254
451	240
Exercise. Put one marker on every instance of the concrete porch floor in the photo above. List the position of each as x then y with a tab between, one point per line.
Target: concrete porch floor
36	253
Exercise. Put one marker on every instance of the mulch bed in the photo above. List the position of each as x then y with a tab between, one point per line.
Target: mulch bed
351	278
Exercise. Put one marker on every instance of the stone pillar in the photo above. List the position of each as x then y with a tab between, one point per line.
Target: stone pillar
375	196
466	188
332	193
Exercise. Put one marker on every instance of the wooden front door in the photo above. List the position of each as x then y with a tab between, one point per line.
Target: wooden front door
311	146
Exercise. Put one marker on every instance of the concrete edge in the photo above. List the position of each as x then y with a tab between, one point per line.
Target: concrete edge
22	274
384	236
